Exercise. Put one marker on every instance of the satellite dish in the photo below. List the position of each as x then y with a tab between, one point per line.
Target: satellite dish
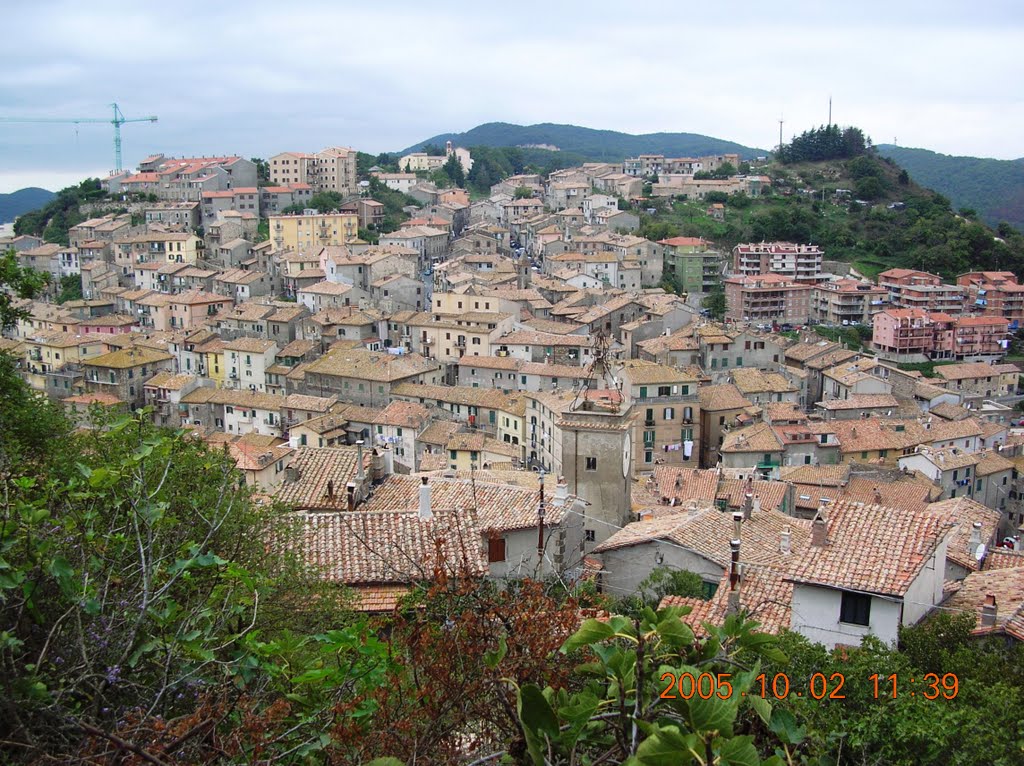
980	554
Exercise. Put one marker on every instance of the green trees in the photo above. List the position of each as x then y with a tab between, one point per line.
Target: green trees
980	725
262	170
326	202
649	693
16	282
828	142
714	303
61	213
70	288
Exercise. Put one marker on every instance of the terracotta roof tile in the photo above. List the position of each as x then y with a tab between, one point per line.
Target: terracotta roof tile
872	548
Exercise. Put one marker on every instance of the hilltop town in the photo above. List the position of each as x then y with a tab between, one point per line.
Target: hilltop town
514	364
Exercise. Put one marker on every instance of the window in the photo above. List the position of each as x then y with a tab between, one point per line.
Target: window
454	454
739	361
495	550
591	464
855	609
669	413
643	392
649	456
591	535
708	589
864	455
648	437
664	390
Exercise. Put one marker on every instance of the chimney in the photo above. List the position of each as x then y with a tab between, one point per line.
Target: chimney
291	474
737	525
878	496
425	513
756	505
975	542
330	489
988	611
351	489
748	504
561	494
819	531
784	543
360	473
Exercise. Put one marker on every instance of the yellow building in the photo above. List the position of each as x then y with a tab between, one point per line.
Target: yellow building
478	451
311	232
212	355
51	352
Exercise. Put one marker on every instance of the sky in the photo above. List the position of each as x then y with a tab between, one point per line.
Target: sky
258	78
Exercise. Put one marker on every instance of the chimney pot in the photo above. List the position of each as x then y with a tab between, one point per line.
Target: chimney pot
988	611
785	545
425	512
360	474
351	491
819	532
737	524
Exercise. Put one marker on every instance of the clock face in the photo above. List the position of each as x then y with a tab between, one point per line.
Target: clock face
626	455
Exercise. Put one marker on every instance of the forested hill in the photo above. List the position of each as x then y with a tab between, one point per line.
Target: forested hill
994	188
594	145
22	201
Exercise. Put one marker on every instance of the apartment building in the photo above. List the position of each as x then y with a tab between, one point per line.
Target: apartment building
995	293
767	298
847	301
693	263
910	289
289	168
310	232
334	169
916	335
799	263
667	429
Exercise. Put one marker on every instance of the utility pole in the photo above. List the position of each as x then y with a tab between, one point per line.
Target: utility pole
540	525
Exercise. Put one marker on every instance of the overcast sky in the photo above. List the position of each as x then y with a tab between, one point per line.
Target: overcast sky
261	77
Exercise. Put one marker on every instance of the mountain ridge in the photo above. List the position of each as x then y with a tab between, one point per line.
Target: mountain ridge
994	188
594	144
23	201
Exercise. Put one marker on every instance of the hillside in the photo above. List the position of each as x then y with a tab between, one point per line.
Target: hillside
22	201
994	188
888	220
594	145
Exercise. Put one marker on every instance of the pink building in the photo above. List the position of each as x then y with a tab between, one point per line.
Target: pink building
766	298
917	335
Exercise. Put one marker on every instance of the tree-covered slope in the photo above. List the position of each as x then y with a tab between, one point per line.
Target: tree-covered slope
994	188
596	145
22	201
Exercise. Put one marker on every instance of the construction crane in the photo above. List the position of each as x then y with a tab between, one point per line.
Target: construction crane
118	120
